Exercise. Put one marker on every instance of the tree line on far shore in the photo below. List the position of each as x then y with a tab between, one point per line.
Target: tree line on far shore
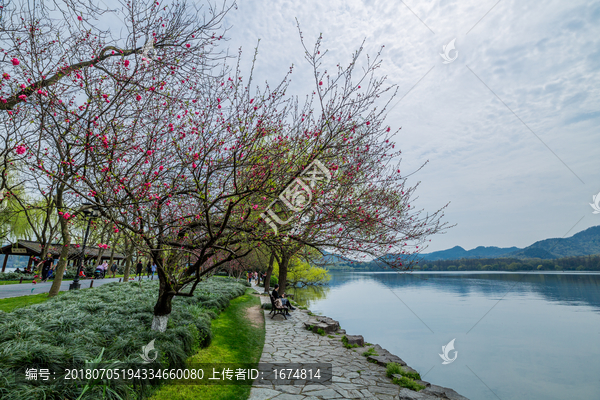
577	263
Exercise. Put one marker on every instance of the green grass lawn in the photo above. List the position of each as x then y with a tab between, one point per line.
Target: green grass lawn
13	282
13	303
235	340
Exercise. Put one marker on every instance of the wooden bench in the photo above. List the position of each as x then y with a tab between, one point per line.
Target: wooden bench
275	310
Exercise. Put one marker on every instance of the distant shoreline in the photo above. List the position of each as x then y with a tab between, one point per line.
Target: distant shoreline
468	272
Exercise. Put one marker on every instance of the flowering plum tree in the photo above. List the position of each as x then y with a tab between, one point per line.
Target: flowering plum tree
183	155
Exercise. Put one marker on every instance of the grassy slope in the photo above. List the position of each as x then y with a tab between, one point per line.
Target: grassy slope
235	339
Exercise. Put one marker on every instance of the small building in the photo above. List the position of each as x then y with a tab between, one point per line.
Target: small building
26	248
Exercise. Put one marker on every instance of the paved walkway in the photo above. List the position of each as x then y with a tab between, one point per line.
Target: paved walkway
288	341
24	289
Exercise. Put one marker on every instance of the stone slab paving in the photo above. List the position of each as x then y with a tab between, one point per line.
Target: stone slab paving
353	376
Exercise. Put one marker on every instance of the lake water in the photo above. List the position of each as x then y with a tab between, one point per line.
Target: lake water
518	335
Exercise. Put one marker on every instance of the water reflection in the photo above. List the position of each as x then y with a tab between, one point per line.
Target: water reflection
308	295
529	336
565	288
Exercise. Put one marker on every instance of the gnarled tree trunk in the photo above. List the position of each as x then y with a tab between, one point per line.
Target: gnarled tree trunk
269	272
64	253
162	309
128	260
283	266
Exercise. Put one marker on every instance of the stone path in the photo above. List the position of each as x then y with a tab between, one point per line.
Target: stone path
353	376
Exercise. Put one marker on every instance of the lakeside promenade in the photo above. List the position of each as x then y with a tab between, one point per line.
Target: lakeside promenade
354	377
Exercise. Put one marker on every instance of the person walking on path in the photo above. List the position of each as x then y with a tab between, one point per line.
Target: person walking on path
113	270
153	270
46	268
138	269
50	273
149	268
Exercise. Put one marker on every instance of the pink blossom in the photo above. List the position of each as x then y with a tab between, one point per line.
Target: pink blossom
21	149
15	62
23	97
79	18
127	63
6	76
255	207
188	45
138	97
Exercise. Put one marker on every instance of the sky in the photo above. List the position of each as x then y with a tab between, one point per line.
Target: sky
509	128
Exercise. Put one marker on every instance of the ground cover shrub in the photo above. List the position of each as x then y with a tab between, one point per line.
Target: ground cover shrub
13	276
111	322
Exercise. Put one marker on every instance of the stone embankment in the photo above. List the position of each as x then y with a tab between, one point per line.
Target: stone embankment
304	338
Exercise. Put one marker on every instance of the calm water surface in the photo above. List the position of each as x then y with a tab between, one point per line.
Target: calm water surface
518	335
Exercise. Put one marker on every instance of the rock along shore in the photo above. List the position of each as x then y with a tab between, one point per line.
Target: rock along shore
354	376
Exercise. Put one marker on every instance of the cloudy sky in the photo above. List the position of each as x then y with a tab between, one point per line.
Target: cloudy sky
510	127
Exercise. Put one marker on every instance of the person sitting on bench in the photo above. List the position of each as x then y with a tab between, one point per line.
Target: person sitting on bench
284	301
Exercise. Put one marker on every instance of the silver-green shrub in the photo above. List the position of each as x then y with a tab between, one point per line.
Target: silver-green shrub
112	320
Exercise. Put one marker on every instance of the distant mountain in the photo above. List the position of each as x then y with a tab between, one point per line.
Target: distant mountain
458	252
583	243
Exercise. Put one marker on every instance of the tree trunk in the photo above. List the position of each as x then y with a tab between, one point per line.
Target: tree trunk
162	309
112	252
64	253
283	272
100	251
128	260
269	272
43	255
